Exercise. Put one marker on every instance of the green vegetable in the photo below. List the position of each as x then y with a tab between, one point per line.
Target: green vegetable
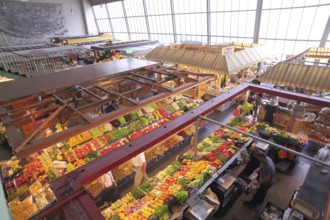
196	183
134	115
189	156
114	217
17	168
144	121
262	126
246	108
183	181
236	121
182	196
162	210
121	120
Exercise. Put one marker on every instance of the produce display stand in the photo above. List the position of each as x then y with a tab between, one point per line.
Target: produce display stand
114	50
83	40
126	44
72	112
69	189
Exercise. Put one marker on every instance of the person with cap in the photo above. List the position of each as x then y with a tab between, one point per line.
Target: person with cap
271	108
266	172
140	167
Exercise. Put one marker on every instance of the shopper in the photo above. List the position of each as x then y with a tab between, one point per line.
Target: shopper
110	192
271	108
112	107
140	167
266	179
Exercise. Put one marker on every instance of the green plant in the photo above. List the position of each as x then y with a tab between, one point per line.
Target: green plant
246	108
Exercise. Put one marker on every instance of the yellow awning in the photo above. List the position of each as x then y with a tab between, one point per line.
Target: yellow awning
316	78
216	62
242	59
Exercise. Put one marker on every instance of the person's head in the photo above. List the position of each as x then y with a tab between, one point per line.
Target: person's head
114	103
261	156
272	102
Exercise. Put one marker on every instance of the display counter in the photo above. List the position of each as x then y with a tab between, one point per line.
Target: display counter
314	194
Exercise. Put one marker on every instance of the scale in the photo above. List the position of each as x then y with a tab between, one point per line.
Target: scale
262	146
199	209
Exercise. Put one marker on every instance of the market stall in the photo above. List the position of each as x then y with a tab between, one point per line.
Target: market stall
30	61
230	68
65	126
70	186
117	50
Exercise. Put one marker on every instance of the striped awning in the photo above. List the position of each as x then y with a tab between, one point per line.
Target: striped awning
242	59
316	78
215	62
318	52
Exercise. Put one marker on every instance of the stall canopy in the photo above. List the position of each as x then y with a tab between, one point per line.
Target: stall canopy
316	78
227	64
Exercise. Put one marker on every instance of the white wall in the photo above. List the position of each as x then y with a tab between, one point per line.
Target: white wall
78	22
89	18
75	22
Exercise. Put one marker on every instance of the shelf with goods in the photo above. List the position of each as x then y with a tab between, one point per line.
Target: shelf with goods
55	161
215	154
109	161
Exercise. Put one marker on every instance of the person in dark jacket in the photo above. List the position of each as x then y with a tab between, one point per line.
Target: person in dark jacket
112	107
266	179
270	110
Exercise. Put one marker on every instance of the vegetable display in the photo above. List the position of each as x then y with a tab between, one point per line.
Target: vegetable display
57	160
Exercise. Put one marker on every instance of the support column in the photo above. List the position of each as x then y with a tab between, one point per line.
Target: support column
257	22
325	34
147	18
110	22
126	20
173	22
208	20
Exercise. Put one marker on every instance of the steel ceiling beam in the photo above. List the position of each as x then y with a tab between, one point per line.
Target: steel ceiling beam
68	133
90	93
167	89
143	77
36	131
87	119
117	94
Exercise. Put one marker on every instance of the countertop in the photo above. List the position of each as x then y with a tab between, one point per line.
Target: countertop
316	187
